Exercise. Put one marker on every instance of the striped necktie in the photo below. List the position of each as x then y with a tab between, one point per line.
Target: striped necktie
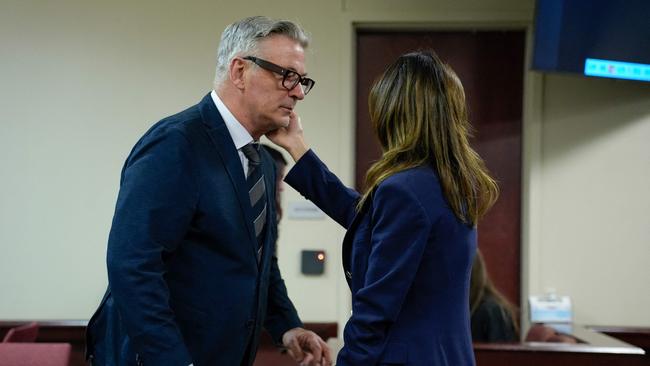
256	191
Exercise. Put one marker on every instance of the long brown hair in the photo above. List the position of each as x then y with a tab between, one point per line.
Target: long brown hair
418	112
481	287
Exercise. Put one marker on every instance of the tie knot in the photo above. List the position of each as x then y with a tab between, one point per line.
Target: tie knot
252	152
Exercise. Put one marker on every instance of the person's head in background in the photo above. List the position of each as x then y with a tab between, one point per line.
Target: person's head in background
494	318
260	72
280	167
419	114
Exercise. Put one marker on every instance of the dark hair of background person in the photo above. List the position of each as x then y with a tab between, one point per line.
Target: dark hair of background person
419	113
277	156
493	317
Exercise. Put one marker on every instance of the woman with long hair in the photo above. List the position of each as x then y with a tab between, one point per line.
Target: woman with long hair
411	235
493	317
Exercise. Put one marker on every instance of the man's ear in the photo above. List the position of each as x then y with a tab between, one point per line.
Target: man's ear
237	72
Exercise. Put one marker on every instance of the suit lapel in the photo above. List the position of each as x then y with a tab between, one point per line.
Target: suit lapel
224	145
270	202
349	238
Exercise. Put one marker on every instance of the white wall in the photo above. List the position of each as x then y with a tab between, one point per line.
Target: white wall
81	81
594	211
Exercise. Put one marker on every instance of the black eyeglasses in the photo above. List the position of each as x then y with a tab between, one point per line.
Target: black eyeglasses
289	78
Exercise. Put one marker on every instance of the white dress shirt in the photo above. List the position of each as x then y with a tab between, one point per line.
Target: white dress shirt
238	133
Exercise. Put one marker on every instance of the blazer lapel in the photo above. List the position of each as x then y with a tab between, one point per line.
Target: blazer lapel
270	201
349	237
226	148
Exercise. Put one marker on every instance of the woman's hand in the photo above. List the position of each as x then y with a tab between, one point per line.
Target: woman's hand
290	138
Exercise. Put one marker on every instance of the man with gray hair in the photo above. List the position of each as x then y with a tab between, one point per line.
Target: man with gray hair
192	270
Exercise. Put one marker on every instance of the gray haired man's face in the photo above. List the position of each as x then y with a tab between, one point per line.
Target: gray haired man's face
268	101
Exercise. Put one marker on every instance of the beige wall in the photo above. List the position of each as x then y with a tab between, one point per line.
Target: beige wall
81	81
593	208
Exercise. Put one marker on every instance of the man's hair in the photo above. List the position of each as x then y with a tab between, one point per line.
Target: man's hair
243	37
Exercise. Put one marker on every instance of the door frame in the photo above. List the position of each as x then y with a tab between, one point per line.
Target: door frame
532	113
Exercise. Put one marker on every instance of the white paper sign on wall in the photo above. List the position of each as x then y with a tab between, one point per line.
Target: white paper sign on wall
305	210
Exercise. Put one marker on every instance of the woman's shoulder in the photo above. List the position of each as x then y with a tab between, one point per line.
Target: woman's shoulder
412	178
419	184
418	181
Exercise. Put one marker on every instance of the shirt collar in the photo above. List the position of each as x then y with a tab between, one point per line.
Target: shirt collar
238	133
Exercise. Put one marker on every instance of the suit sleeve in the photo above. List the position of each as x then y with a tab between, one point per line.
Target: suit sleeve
315	182
400	232
281	315
158	194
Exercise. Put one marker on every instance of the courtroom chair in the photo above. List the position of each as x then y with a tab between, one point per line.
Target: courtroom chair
35	354
23	333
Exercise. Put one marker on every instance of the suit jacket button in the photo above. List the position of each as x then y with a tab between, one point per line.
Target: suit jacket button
348	274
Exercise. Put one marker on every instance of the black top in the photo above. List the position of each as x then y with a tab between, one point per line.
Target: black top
491	323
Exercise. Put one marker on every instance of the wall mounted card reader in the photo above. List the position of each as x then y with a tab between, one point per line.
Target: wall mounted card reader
313	262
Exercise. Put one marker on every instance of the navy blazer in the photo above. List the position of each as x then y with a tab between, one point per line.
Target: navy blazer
407	259
185	285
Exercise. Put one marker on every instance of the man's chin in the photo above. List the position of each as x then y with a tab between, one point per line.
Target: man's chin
284	122
279	124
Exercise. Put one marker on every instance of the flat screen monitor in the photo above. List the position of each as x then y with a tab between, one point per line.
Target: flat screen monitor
601	38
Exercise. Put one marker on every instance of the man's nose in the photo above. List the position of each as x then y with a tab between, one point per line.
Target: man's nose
297	92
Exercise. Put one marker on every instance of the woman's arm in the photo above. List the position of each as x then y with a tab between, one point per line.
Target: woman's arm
311	177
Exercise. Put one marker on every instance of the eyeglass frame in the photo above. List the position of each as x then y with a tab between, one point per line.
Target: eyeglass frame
285	73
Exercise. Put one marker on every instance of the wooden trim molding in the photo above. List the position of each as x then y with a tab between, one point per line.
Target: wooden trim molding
74	331
594	349
599	346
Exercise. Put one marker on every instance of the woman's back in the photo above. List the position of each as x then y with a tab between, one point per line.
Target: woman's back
434	318
411	235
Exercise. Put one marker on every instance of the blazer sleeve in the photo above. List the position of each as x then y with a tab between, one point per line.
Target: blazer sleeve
311	178
400	232
155	205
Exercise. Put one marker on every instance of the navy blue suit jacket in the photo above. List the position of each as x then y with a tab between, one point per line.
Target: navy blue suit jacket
184	282
407	259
